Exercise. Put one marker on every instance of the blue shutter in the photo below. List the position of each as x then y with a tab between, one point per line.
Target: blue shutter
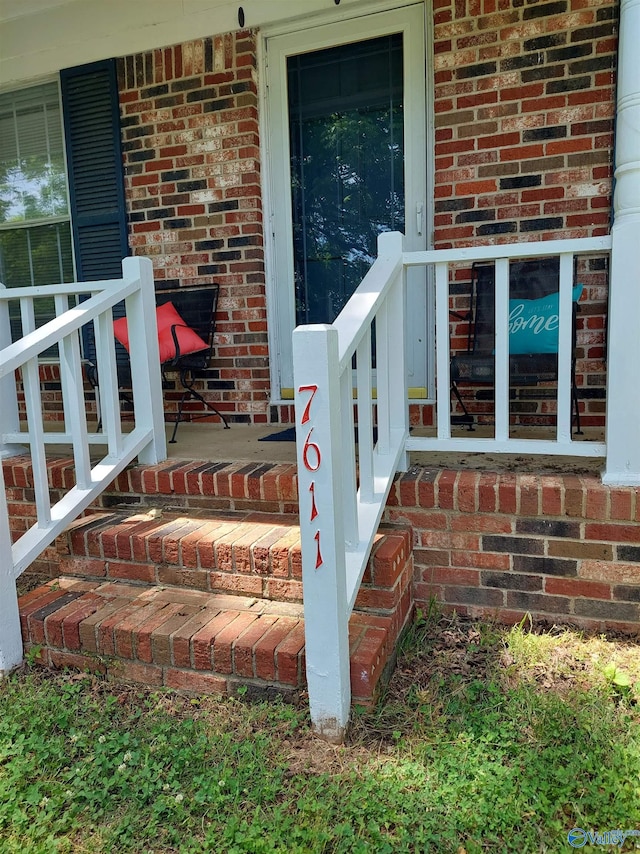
94	162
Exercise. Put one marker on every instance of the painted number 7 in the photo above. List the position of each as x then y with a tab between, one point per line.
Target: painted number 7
313	389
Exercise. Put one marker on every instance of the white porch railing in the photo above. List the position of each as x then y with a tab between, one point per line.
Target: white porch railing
502	442
341	502
145	441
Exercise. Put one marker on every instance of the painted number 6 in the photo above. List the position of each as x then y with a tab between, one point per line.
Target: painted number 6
309	450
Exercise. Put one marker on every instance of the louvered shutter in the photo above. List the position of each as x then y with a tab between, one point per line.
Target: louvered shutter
94	162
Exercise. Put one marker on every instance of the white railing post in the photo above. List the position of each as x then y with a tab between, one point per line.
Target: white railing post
319	451
391	245
10	635
145	358
390	345
501	371
9	414
443	352
623	398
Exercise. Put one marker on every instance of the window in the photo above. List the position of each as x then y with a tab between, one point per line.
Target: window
61	220
35	230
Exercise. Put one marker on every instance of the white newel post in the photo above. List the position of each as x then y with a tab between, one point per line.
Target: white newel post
623	390
10	635
145	358
318	420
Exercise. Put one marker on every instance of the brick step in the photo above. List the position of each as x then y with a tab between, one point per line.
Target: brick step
183	484
245	553
188	639
239	553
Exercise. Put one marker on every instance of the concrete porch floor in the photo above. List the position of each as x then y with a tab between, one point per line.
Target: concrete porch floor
209	441
243	442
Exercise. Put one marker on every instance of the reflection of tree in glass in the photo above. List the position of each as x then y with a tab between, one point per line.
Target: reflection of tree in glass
32	170
347	188
35	256
32	189
35	233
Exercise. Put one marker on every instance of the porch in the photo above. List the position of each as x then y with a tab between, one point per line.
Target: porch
533	529
196	538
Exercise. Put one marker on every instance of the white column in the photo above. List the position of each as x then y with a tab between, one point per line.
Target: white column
10	635
623	389
318	437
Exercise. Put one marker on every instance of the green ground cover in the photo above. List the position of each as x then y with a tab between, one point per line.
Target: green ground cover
487	740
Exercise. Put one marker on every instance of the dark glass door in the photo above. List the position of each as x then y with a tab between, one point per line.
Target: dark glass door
347	167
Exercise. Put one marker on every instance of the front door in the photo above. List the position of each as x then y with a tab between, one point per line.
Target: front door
347	153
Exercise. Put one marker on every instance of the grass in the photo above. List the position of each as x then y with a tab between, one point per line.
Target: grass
487	740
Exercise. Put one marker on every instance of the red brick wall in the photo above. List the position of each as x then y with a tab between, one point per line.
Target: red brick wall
560	547
524	103
524	107
190	137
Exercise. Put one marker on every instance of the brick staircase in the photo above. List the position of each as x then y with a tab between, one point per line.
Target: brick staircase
204	599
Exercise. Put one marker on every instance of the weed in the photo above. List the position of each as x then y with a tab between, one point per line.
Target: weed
32	654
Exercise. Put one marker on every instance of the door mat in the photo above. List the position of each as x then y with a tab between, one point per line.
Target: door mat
289	435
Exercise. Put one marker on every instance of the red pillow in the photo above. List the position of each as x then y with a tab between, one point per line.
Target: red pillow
166	317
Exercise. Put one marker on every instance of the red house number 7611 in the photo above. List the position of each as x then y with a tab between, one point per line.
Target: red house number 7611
311	457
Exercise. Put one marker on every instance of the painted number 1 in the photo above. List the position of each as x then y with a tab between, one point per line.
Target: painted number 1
314	509
319	560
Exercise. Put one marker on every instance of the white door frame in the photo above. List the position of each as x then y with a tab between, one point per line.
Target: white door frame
276	47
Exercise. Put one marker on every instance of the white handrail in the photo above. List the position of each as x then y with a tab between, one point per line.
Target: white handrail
338	522
146	441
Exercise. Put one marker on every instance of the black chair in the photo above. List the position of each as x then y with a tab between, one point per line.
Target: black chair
528	280
196	307
90	362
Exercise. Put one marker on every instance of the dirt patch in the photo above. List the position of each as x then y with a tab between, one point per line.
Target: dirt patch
29	581
533	464
553	657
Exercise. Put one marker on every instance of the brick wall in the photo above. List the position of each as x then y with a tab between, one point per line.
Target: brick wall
524	104
560	547
190	136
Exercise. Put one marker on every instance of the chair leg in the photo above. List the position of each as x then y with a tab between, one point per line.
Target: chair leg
191	392
576	405
467	418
